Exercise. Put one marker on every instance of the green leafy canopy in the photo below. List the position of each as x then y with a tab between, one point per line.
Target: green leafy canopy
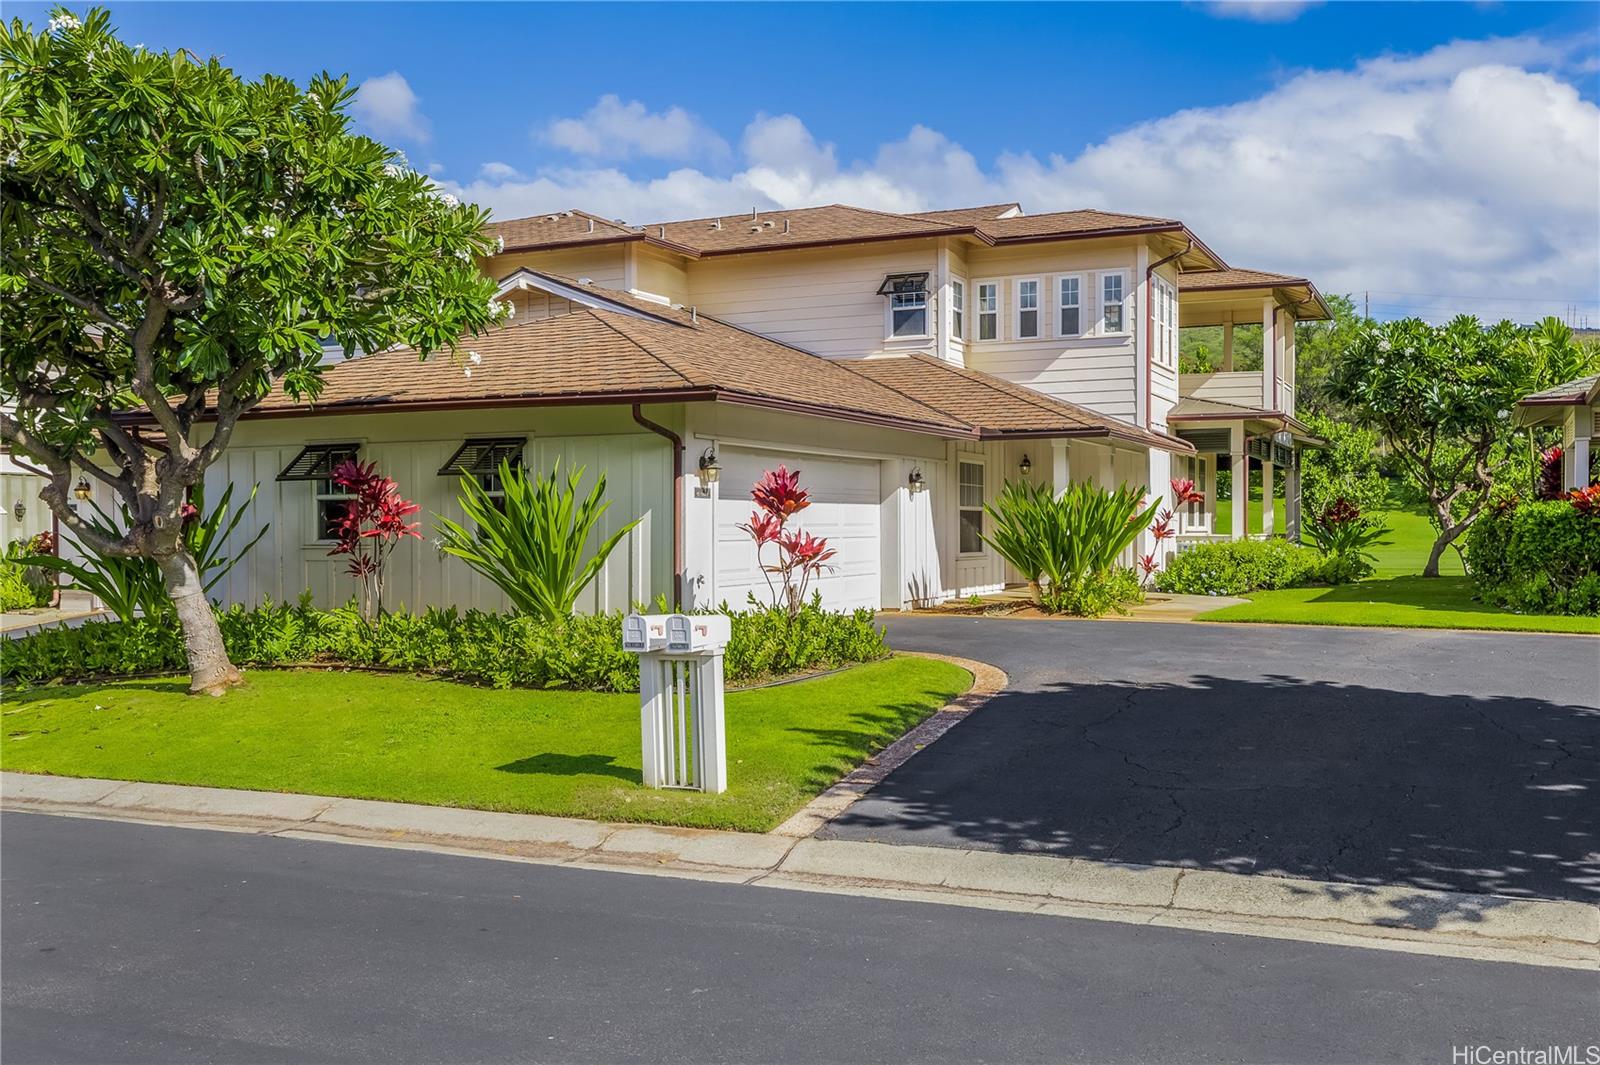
181	239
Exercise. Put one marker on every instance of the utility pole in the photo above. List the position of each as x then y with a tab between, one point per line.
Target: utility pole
1366	305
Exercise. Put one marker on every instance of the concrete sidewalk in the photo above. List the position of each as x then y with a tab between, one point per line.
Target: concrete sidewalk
1485	927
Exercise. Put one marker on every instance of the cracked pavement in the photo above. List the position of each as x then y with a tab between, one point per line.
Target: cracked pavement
1448	760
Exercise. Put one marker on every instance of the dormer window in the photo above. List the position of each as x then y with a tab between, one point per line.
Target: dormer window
908	304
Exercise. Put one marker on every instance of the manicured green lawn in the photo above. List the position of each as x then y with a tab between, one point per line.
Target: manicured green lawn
1395	595
1402	602
404	738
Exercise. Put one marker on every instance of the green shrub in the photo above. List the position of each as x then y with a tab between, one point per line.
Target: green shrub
1537	558
583	652
1067	546
1346	469
16	593
1234	567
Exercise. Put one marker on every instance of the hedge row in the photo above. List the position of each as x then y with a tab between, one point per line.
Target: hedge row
1537	558
1233	567
502	650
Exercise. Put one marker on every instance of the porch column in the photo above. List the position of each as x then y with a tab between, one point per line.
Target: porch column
1575	449
1291	498
1241	480
1060	469
1267	490
1227	345
1269	356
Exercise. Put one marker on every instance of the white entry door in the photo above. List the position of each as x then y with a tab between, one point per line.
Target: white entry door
844	509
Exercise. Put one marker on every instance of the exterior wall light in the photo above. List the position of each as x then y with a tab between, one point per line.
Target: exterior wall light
710	470
916	482
1025	467
82	490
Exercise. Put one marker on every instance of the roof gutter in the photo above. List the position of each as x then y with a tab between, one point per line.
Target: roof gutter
1149	328
677	501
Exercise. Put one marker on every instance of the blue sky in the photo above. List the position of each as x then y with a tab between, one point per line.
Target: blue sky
1364	144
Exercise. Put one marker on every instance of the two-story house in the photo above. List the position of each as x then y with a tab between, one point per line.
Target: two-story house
907	365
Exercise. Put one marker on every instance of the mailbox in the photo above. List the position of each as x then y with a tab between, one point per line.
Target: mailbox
645	632
698	632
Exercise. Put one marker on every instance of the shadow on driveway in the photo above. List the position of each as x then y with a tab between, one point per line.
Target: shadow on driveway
1271	774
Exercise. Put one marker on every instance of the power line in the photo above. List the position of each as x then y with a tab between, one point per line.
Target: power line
1582	301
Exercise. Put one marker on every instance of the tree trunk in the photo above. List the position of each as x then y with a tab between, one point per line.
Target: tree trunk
1432	568
209	669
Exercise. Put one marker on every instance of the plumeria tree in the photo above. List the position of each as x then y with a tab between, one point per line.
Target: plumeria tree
175	243
1441	396
373	525
799	557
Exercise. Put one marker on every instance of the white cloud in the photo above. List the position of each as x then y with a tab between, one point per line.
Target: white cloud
498	171
1468	169
387	105
1259	10
612	129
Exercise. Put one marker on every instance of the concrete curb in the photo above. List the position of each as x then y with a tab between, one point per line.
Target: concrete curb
1383	917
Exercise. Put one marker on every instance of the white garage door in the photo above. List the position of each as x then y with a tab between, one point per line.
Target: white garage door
844	509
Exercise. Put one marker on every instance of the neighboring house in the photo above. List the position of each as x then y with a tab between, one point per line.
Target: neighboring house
1575	408
907	365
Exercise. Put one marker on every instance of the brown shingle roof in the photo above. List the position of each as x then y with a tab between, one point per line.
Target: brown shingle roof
598	355
560	229
998	407
965	216
1580	391
819	226
1201	280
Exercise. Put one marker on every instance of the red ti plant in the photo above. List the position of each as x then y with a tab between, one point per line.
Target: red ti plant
800	556
373	525
1549	484
1586	500
1160	531
1184	492
1147	566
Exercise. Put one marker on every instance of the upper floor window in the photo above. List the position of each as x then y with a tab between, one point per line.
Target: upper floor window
908	304
1112	291
1027	309
1166	307
1071	306
988	310
958	309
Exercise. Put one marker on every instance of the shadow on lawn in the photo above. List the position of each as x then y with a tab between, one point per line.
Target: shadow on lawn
1422	593
1273	775
845	748
164	685
571	765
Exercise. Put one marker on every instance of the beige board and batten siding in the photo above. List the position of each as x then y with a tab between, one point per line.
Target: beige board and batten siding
411	448
824	301
1093	369
658	274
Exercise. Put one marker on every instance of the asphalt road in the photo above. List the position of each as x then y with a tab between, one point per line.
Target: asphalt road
134	943
1461	761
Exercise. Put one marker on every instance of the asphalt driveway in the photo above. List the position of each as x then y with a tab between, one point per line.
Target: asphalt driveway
1461	761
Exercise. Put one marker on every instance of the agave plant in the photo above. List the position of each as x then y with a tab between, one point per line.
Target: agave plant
534	548
1067	546
130	587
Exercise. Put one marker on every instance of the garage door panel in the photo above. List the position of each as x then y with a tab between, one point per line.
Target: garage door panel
844	510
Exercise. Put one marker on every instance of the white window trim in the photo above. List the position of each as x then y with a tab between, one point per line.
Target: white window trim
888	321
977	313
1038	308
1100	304
318	497
958	306
982	462
1083	309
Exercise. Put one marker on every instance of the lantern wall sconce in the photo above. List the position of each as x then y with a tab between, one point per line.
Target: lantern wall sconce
710	472
916	482
82	490
1025	467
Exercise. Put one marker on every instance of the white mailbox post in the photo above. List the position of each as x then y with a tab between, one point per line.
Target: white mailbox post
681	715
